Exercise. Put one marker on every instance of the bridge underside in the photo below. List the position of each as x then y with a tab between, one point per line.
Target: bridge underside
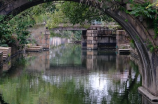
136	29
98	39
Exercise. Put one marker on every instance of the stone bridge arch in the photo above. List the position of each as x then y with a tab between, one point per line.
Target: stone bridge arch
137	30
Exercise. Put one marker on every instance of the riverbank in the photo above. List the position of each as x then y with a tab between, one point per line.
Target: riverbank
8	53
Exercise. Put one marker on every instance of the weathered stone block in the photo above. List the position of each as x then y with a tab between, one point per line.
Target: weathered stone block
108	32
47	36
92	38
6	52
120	32
7	66
34	49
91	34
129	6
92	46
92	53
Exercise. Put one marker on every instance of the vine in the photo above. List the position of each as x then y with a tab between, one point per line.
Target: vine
149	14
14	32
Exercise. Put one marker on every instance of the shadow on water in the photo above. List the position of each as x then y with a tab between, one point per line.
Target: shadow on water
69	75
1	100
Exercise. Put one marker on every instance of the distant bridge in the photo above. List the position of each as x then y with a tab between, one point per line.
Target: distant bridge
79	27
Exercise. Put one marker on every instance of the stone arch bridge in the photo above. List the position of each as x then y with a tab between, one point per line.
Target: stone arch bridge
95	36
137	30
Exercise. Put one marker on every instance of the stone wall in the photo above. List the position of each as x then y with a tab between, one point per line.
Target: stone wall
122	37
40	36
100	39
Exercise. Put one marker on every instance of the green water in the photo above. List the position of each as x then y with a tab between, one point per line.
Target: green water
69	75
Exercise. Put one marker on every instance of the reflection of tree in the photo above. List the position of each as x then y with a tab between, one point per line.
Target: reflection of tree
69	55
35	88
32	89
129	95
38	89
105	63
18	63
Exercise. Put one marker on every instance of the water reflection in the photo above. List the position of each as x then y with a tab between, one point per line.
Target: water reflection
56	41
68	75
7	65
37	61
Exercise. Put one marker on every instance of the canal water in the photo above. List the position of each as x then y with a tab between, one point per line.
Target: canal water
69	75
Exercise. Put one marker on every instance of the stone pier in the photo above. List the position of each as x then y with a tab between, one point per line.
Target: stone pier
1	58
122	38
91	60
84	39
40	36
99	39
107	39
92	41
123	42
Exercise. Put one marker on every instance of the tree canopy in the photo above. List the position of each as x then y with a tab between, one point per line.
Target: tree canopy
52	13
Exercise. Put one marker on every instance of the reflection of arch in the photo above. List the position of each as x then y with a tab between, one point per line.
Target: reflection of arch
134	28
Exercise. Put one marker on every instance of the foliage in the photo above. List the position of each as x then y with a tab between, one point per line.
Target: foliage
142	10
14	32
8	30
5	37
156	27
79	13
73	13
149	14
77	35
51	13
151	47
74	35
41	13
56	18
155	4
132	44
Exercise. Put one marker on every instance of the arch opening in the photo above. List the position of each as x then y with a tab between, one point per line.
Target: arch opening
133	27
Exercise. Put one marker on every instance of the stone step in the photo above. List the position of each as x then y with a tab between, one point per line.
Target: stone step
34	49
7	66
6	52
5	56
